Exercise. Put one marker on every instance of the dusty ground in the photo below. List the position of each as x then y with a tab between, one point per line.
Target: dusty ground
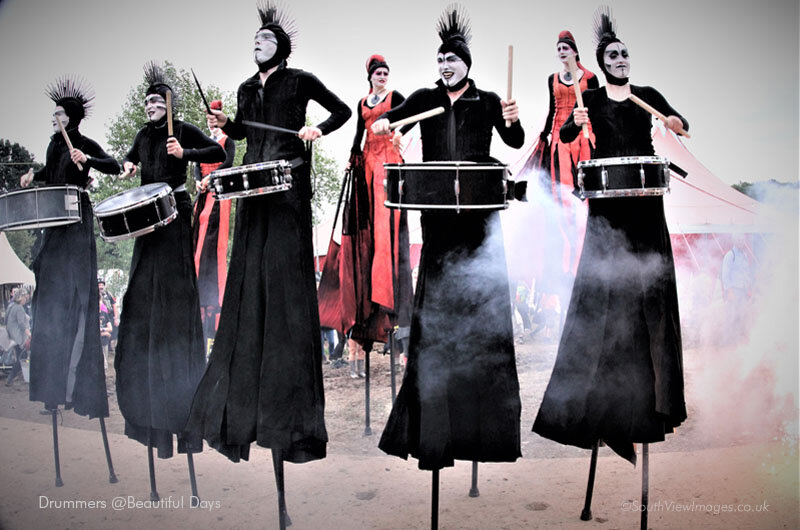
697	479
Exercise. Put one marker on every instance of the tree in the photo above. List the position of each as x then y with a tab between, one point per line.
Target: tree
325	178
15	161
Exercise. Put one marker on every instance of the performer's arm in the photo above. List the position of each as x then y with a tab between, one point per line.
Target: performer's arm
656	100
397	100
196	173
230	153
199	147
548	124
340	112
414	104
99	159
133	154
514	135
356	149
592	82
570	130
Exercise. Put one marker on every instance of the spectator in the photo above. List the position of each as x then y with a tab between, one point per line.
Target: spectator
105	331
737	284
111	306
18	325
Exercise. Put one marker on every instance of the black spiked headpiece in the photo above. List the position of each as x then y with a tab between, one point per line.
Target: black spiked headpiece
74	95
605	33
157	82
276	19
454	31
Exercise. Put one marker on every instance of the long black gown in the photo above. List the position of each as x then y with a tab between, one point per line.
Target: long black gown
66	355
160	355
618	375
460	395
263	382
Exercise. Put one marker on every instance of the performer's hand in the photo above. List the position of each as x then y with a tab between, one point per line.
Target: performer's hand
26	179
381	126
674	124
217	118
198	186
129	167
203	184
78	156
580	115
347	166
174	147
510	110
309	133
397	139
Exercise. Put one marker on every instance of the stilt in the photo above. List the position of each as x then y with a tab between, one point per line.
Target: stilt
435	500
192	478
473	491
283	514
367	428
152	467
112	478
586	514
392	345
59	482
645	484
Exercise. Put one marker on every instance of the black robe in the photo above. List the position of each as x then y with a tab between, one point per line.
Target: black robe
160	355
460	395
66	355
618	375
263	382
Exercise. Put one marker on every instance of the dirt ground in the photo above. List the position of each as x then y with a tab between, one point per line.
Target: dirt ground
697	478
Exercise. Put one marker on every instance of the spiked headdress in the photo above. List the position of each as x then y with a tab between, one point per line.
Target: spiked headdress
276	19
605	33
157	82
74	95
454	31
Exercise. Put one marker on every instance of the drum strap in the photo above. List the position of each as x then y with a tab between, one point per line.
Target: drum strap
297	162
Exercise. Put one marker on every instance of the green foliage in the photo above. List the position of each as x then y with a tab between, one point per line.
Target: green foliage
15	161
743	187
326	178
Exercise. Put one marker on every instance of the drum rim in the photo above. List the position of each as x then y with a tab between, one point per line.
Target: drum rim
419	206
140	232
64	221
449	165
166	190
36	189
264	190
244	168
624	161
625	192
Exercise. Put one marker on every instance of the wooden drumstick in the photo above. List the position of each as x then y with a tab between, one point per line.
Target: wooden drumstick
169	113
416	117
69	142
125	174
654	112
510	75
572	66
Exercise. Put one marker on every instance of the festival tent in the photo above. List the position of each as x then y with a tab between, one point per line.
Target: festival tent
12	269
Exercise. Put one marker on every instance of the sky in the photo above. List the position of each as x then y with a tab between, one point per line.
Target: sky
729	66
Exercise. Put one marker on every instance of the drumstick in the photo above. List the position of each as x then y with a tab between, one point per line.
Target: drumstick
416	117
169	113
654	112
201	92
125	174
69	142
510	75
572	66
258	125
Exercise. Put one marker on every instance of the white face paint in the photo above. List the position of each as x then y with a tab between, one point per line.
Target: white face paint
265	46
616	60
451	68
564	52
59	114
155	107
379	79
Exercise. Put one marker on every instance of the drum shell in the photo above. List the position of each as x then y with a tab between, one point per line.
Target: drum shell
40	207
251	179
442	186
139	218
624	177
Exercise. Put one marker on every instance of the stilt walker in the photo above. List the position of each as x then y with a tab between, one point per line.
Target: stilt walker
263	382
160	355
618	375
67	363
459	399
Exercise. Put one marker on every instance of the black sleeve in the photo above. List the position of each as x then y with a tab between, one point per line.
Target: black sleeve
356	149
197	147
230	153
133	154
397	100
656	100
414	104
196	173
234	127
593	82
514	135
569	131
315	90
99	160
41	173
548	124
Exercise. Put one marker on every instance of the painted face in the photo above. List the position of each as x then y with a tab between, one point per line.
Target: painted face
564	51
59	114
451	68
155	107
264	46
379	78
616	60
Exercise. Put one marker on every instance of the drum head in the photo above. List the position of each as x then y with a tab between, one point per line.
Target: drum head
124	200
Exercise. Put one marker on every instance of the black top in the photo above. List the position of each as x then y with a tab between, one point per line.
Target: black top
612	122
150	150
230	154
591	82
282	102
59	168
464	130
397	100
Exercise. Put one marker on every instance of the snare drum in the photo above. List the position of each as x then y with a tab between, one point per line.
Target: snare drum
447	186
136	212
627	176
40	207
252	179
